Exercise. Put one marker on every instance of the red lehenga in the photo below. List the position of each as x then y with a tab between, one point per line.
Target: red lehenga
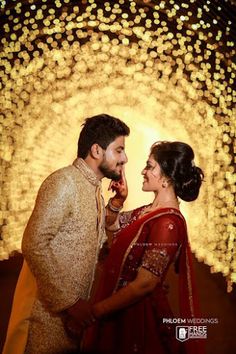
152	241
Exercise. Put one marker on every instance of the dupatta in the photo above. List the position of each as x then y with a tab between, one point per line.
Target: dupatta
114	264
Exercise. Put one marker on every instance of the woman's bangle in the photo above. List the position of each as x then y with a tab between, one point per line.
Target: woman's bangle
113	208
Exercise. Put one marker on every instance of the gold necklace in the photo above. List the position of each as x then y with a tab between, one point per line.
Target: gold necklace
149	208
160	202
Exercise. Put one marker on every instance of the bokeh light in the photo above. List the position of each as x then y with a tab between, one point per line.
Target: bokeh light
167	68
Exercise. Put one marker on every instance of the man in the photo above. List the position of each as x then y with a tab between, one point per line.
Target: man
62	240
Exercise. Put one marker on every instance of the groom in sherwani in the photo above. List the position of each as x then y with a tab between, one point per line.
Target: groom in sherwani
62	240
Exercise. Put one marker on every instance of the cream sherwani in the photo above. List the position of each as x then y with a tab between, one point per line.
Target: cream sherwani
60	245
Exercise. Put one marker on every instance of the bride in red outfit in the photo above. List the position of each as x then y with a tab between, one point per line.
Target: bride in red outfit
130	302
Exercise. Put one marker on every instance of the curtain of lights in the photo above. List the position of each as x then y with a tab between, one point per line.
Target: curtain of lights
169	64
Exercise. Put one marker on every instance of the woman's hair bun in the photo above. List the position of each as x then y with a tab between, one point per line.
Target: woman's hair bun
176	160
187	188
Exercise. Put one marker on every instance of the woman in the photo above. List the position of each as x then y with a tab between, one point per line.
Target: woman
131	303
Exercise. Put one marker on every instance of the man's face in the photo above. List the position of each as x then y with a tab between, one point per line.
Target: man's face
113	159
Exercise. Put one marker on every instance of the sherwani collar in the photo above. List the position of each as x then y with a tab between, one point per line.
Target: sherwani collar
86	171
90	175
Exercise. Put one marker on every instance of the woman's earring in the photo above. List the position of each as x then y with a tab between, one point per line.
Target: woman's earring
164	184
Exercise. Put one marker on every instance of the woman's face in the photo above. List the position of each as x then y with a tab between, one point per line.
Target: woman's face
152	177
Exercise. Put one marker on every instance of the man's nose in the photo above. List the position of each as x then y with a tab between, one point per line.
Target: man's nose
125	159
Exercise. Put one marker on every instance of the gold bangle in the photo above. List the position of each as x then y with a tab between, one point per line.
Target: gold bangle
112	208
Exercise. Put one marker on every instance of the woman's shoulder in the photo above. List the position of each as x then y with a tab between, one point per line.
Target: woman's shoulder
167	216
128	217
133	212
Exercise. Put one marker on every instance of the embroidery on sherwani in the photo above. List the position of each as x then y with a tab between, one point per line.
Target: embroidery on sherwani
86	171
92	178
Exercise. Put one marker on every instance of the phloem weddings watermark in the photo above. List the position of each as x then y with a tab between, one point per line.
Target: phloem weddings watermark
190	328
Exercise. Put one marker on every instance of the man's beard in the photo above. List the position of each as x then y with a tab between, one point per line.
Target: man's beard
108	173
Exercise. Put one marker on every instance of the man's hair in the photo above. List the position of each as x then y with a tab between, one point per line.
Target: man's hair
102	130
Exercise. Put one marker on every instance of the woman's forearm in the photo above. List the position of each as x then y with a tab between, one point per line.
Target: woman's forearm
122	298
133	292
112	214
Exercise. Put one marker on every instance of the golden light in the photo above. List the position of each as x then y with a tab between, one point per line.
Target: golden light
165	68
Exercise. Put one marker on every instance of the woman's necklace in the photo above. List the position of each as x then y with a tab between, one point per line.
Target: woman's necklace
161	202
151	207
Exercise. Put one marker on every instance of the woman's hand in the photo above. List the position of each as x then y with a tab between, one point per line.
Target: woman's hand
121	189
80	313
144	283
73	330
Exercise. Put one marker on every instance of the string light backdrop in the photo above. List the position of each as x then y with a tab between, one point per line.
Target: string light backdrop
167	68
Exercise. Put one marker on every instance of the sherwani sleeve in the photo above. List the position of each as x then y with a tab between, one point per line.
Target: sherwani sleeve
162	245
52	207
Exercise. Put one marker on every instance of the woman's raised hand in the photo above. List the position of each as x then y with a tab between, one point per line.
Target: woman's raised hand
120	188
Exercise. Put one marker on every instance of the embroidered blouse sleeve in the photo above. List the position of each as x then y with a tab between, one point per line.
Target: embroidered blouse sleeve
162	244
127	217
124	218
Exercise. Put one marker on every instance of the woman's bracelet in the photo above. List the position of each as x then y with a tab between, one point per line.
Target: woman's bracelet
112	207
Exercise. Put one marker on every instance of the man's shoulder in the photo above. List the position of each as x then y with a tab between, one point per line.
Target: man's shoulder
64	175
63	171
